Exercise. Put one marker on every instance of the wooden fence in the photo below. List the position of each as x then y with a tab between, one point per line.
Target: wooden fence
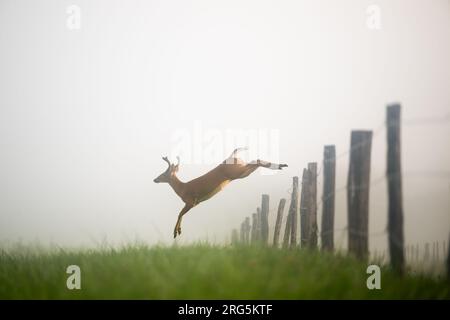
303	210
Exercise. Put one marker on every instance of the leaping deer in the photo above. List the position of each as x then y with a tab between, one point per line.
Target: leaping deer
204	187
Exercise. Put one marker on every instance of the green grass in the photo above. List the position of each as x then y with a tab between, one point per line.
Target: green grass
202	272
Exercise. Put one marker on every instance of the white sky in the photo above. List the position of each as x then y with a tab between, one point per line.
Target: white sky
85	115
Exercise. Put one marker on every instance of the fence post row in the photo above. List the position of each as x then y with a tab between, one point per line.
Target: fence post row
358	187
329	184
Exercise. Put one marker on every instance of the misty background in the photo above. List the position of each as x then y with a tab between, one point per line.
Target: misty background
86	114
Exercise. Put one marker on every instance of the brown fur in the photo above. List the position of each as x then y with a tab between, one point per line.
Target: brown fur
204	187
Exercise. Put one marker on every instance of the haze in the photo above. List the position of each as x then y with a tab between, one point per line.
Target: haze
87	114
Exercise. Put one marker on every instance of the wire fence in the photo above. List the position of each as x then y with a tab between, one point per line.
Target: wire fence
413	253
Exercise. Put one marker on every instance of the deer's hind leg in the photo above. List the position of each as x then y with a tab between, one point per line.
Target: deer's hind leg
269	165
249	168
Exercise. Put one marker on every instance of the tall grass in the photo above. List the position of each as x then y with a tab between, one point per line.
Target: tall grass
202	272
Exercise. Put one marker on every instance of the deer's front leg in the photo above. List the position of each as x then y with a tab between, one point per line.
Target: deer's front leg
177	229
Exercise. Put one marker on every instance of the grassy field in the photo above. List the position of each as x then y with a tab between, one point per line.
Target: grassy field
202	272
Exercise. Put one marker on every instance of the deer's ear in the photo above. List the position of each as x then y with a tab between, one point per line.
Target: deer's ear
175	168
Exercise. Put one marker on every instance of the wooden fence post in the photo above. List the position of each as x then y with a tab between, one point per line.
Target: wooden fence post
293	209
417	253
426	254
304	209
242	233
265	219
254	226
247	231
444	249
395	197
258	225
276	233
448	261
312	167
358	193
329	183
436	255
433	251
287	231
234	237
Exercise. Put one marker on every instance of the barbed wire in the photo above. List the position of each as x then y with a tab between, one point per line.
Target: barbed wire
431	174
375	133
354	231
374	182
383	125
385	177
343	188
410	173
427	120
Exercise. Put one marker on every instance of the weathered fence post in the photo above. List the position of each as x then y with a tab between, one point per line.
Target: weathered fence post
433	255
293	209
242	233
394	176
276	233
287	231
254	226
304	209
444	249
234	237
417	253
448	261
437	250
265	219
426	254
312	167
329	183
258	225
358	193
247	230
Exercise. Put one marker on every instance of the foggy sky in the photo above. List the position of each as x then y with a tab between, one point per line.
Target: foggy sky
85	115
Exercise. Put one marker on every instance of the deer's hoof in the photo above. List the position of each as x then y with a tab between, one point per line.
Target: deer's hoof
179	231
281	166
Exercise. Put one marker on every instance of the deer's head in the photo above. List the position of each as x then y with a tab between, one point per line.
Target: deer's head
167	175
